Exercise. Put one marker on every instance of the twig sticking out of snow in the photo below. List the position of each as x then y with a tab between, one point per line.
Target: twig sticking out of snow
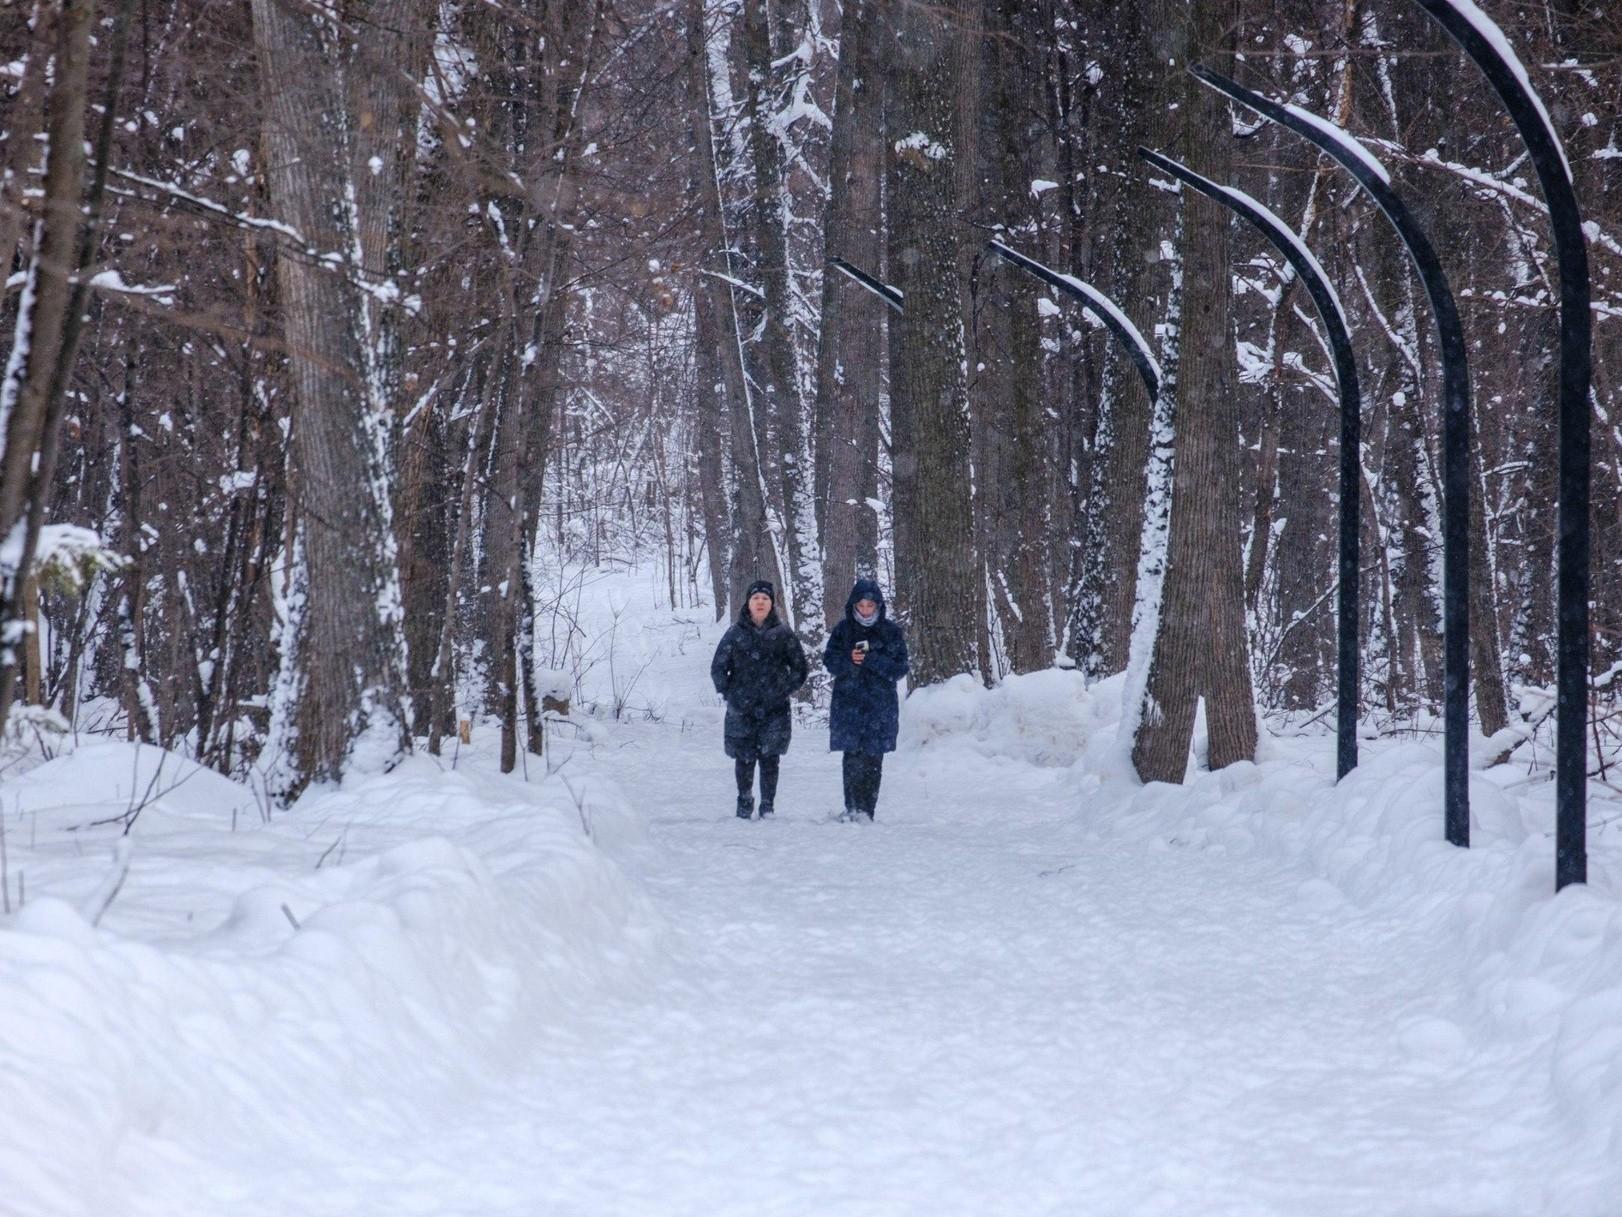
102	898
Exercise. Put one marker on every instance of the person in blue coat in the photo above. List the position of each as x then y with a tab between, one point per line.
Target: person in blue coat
866	655
757	667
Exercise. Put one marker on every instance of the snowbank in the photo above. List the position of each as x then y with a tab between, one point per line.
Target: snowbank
131	780
1541	967
319	976
1043	718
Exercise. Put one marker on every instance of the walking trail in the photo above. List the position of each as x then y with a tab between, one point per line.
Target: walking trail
989	1002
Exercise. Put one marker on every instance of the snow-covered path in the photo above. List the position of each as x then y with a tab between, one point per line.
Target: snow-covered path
984	1005
1034	986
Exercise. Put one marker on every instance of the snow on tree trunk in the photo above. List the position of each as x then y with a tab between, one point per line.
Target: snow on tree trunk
43	341
1130	227
1200	647
755	548
766	109
346	648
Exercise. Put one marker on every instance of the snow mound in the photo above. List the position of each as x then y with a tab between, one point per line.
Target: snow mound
128	777
361	960
1043	718
1539	966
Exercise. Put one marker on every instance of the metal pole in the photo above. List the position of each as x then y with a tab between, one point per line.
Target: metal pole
890	295
1100	306
1329	308
1372	176
1485	43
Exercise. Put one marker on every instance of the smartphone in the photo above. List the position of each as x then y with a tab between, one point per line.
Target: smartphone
864	646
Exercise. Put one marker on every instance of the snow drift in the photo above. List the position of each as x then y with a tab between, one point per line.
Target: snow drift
1545	970
324	975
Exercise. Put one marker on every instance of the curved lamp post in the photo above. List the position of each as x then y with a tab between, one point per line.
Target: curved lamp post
890	295
1485	43
1329	308
1100	306
1373	177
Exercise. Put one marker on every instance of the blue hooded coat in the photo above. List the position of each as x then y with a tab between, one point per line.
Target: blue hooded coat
866	710
757	669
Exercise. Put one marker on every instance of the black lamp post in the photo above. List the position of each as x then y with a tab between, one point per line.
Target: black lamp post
1485	43
1100	306
1329	308
1372	176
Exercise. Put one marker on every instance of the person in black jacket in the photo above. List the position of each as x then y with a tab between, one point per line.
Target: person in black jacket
867	655
757	666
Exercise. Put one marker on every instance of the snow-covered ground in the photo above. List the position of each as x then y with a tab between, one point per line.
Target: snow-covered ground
1033	986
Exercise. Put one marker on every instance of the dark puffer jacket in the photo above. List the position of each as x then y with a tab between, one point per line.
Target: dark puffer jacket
757	669
866	710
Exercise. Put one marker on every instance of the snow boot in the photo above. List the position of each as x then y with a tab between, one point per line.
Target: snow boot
746	806
767	810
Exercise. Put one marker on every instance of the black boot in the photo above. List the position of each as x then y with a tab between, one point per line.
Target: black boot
746	806
766	809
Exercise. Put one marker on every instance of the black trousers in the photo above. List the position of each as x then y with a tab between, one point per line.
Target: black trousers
745	772
862	773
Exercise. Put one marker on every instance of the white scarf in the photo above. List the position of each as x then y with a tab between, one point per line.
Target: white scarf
868	621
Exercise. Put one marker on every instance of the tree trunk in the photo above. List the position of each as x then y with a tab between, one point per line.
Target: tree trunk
18	152
780	391
937	575
440	675
28	407
1133	221
851	342
753	551
1200	645
710	437
350	679
715	374
1018	555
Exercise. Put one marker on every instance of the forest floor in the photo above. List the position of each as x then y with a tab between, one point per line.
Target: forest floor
1032	986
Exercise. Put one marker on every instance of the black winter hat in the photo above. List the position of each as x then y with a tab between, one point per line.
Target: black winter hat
764	586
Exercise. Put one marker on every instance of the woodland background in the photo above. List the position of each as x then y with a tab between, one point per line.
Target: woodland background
339	335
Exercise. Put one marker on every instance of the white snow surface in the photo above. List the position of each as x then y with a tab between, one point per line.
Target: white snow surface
1033	986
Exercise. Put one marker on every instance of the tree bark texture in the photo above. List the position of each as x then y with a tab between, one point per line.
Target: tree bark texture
1012	479
936	572
753	549
1132	221
851	342
31	385
351	671
779	390
1200	647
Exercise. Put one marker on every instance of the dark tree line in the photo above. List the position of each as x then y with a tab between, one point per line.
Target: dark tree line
339	334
